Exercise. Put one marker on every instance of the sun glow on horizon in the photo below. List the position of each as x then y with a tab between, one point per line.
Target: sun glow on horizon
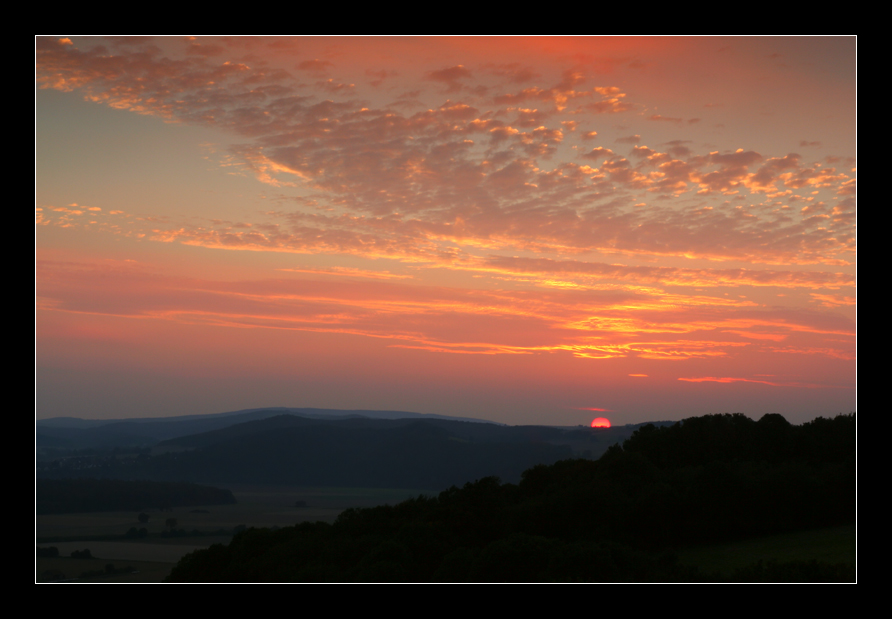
498	225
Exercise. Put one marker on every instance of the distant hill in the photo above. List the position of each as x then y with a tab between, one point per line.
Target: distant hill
335	450
75	433
311	447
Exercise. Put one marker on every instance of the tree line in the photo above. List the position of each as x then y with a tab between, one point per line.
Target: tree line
703	480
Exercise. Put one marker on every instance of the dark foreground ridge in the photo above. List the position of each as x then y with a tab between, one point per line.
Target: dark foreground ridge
704	480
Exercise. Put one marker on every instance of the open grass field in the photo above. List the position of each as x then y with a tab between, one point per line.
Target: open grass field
833	545
66	569
262	506
258	506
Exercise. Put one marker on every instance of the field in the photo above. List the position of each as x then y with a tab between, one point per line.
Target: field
833	545
154	556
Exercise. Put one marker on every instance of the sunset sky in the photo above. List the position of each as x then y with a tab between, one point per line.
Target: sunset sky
527	230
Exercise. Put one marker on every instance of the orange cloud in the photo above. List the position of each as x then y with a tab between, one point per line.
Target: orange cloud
448	195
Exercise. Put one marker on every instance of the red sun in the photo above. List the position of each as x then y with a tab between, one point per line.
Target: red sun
601	422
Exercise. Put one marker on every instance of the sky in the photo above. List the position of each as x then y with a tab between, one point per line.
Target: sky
530	230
